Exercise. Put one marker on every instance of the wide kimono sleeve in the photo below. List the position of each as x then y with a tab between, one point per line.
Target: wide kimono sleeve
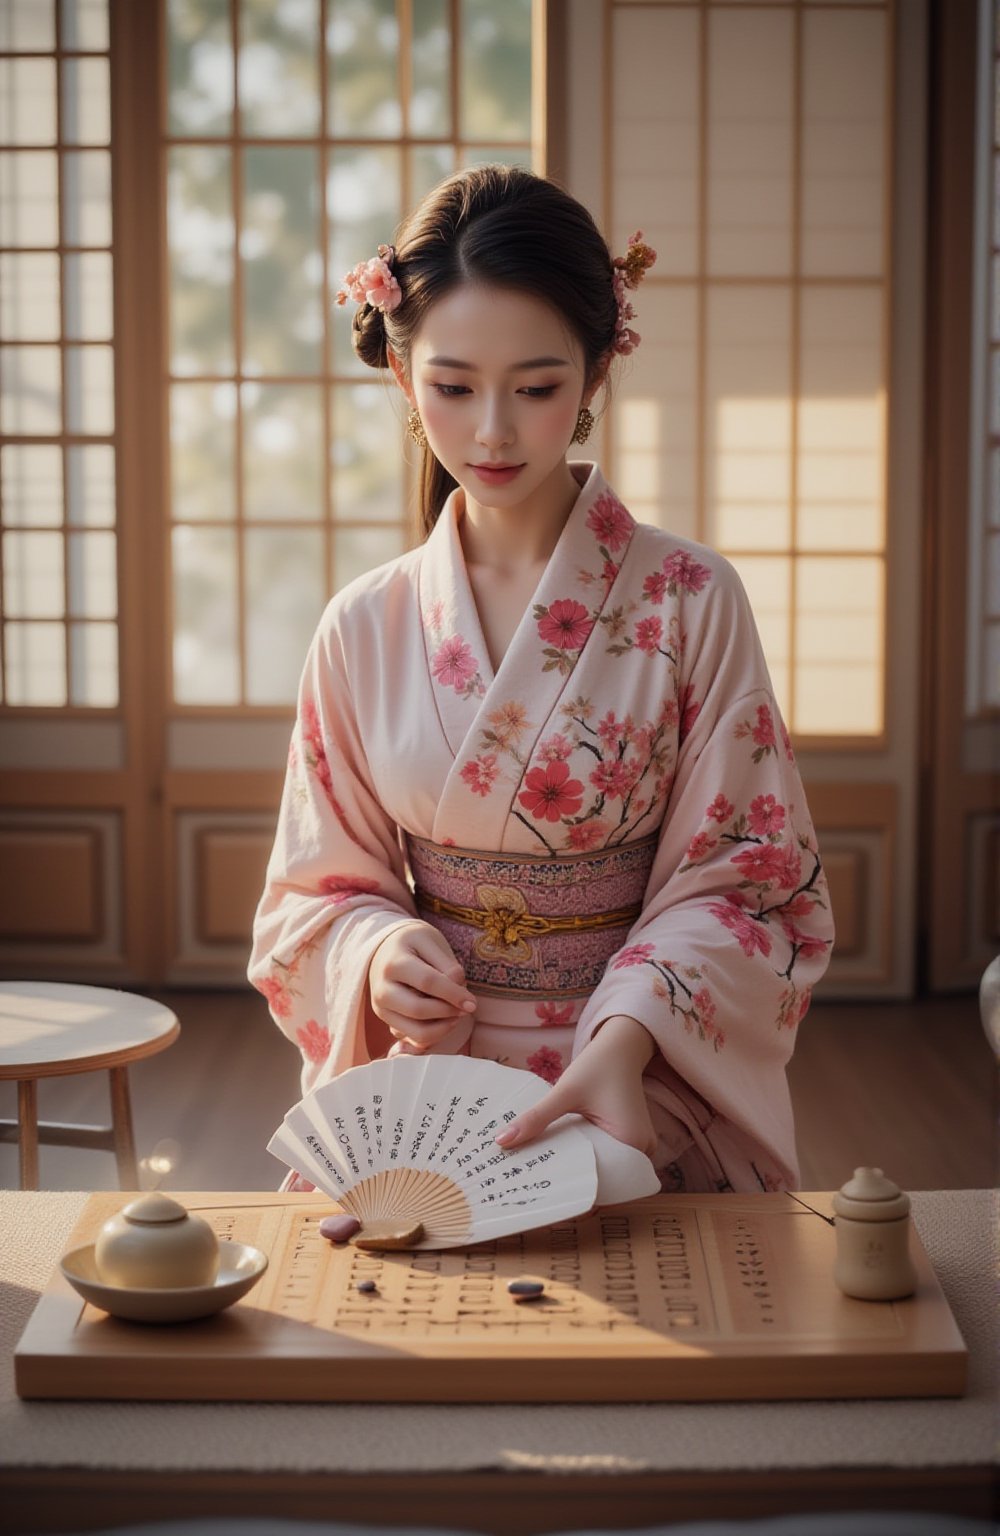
736	927
335	885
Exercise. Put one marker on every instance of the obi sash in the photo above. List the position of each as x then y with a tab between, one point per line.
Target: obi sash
531	926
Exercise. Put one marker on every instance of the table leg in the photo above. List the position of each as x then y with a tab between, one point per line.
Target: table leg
121	1120
27	1132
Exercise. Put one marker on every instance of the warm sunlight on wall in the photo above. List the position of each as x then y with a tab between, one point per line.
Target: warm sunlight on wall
814	569
750	144
798	508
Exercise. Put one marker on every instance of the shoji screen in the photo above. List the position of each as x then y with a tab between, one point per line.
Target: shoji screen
59	638
772	153
751	142
62	679
297	133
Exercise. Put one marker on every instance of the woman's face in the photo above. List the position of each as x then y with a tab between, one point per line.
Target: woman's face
496	410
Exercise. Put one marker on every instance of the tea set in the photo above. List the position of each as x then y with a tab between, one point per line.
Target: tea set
156	1262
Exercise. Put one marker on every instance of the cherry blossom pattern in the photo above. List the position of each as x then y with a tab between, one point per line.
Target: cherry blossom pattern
565	625
315	748
767	864
546	1063
764	822
611	522
605	577
761	730
314	1040
628	757
612	525
749	932
585	835
280	988
679	572
793	1006
433	619
500	738
455	666
746	913
279	999
647	635
771	892
766	816
340	888
550	793
699	848
504	729
689	709
480	773
684	573
508	723
632	954
317	763
550	1014
678	985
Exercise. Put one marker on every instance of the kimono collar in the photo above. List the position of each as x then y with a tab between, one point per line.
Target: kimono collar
554	631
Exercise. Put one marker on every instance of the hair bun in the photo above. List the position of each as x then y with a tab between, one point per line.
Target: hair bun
368	335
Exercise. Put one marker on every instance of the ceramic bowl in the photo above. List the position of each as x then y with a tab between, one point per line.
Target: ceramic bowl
240	1267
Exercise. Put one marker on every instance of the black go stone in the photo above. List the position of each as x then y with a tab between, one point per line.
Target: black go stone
525	1287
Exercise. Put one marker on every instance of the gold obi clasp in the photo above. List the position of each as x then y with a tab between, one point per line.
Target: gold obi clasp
504	916
505	919
546	926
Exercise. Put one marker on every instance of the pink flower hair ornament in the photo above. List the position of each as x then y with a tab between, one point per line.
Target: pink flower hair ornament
629	272
373	282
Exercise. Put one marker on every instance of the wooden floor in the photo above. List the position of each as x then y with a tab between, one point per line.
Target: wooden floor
909	1087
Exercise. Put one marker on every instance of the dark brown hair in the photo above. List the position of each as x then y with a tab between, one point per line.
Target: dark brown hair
502	226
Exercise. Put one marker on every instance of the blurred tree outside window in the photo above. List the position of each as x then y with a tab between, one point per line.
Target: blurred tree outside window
291	154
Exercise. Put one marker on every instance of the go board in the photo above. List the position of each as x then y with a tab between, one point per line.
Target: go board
670	1298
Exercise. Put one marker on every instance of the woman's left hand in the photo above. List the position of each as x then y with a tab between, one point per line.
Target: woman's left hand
603	1084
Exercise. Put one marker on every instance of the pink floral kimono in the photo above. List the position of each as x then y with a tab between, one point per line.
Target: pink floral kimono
613	823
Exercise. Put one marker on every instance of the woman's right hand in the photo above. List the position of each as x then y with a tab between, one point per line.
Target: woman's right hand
417	987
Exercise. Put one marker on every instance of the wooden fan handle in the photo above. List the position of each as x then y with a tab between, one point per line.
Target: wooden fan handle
389	1234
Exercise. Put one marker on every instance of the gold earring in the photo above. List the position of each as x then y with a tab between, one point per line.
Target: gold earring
584	426
415	428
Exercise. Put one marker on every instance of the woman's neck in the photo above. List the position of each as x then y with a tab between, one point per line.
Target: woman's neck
509	539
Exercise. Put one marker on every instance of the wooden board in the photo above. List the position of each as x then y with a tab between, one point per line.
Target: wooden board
670	1298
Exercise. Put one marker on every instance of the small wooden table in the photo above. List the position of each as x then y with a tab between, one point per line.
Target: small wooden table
510	1469
55	1029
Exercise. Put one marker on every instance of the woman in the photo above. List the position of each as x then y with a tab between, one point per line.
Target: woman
540	804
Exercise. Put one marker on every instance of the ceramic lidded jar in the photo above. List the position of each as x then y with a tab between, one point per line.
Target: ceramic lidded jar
873	1238
154	1243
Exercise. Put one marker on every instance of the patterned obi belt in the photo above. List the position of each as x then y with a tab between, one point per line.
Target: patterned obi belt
531	926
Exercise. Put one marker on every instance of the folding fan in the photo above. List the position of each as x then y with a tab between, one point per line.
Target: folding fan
411	1139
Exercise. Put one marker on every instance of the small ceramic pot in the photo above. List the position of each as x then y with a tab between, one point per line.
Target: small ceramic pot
154	1243
873	1238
